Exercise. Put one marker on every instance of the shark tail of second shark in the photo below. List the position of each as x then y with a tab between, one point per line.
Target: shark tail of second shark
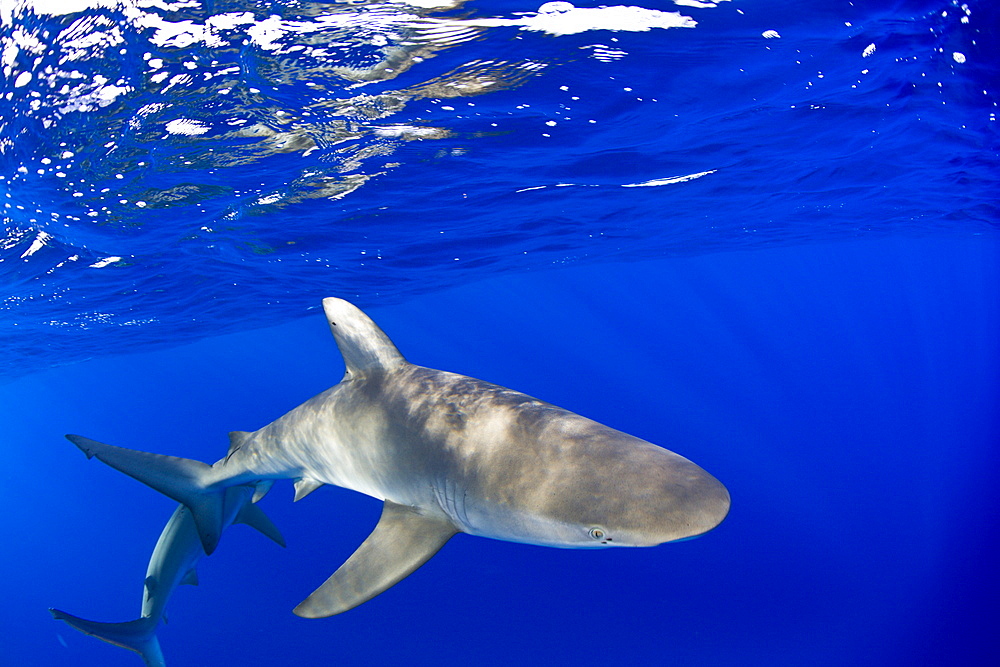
184	480
138	635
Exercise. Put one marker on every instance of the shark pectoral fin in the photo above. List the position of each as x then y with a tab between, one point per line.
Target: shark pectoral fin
183	480
402	541
304	486
254	517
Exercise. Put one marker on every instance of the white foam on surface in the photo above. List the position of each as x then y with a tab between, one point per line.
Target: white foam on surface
564	18
669	181
186	126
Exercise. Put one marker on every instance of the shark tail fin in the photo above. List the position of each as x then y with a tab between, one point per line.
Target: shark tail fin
184	480
138	635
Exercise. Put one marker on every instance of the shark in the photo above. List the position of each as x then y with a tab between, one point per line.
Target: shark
173	563
446	454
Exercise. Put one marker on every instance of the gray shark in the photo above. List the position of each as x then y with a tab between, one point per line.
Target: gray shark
172	563
447	454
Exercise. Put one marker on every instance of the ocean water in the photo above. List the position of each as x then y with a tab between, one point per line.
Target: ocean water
763	235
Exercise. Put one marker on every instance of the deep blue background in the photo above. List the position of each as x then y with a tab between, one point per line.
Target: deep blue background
844	392
815	322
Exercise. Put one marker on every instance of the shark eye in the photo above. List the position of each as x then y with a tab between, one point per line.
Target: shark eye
596	533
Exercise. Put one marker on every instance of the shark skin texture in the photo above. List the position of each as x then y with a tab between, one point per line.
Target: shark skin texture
446	454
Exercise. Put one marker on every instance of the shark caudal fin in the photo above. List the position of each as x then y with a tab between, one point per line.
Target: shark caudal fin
138	635
184	480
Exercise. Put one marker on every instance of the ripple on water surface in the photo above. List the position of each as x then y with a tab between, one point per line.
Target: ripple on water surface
177	169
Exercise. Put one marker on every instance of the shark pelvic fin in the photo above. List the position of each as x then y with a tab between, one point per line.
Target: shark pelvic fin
138	635
365	347
191	578
263	486
304	486
402	541
184	480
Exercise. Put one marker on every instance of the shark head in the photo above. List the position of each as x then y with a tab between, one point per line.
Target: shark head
606	489
663	498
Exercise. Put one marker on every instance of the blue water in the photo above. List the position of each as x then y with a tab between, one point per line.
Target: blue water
768	242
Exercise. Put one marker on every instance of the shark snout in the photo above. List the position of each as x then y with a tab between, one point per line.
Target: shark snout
683	502
705	504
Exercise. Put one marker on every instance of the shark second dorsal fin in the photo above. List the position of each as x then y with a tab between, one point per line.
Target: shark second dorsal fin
236	439
402	541
365	347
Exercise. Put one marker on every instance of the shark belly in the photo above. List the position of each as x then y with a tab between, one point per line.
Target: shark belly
347	436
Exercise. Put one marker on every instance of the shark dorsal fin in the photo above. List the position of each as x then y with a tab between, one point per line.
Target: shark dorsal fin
365	347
